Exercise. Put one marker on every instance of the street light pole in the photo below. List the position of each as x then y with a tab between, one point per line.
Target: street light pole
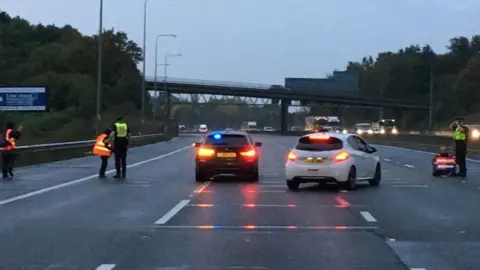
156	57
99	70
144	58
430	103
165	82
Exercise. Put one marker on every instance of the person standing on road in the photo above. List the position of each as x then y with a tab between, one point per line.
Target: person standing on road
103	148
9	143
121	137
460	138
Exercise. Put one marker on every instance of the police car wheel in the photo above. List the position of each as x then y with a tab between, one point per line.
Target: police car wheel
200	177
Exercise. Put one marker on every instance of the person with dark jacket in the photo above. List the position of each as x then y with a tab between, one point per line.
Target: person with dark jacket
8	145
121	138
460	138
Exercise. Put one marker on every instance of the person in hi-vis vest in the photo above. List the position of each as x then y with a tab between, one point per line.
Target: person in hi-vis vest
103	149
121	137
460	138
8	145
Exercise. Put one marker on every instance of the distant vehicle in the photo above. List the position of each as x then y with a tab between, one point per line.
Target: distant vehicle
364	128
249	126
332	157
385	126
226	153
182	128
229	129
203	128
269	129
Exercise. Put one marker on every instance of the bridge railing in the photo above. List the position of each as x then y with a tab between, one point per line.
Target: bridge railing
209	82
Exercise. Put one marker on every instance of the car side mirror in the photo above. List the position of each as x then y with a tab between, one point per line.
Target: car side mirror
372	150
258	144
197	144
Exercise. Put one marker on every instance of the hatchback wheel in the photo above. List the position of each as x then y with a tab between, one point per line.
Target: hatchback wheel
377	177
351	183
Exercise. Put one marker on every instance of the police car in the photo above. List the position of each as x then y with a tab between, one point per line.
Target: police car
227	152
332	157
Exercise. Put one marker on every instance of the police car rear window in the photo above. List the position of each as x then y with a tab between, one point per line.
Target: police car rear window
227	139
330	144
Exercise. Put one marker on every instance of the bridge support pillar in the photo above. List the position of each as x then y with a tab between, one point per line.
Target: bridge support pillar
284	115
169	104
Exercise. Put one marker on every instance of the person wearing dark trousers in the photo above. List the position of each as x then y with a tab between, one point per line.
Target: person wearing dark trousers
8	145
460	138
121	137
103	149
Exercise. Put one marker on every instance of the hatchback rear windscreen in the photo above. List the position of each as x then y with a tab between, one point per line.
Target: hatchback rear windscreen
308	144
227	139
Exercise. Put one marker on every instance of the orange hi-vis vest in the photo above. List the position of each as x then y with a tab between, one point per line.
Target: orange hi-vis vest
10	140
100	149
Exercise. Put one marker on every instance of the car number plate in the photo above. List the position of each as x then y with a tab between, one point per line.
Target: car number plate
227	155
445	166
314	160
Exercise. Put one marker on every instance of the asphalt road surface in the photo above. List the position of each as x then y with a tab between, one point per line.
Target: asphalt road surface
60	216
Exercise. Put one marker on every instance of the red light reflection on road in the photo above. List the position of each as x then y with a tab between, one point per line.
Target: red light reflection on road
342	203
340	227
250	227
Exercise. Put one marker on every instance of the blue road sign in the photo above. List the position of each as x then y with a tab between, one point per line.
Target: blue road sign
22	99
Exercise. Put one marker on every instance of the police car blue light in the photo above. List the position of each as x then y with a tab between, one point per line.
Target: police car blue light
217	136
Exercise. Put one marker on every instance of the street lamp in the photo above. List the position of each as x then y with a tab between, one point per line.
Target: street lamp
144	58
165	81
99	69
156	57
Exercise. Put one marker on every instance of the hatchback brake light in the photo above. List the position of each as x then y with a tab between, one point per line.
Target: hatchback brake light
319	137
292	156
205	152
342	156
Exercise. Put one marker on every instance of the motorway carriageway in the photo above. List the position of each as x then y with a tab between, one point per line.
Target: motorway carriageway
60	216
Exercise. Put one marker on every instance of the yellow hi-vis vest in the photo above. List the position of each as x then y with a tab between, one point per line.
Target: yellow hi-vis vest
121	131
459	135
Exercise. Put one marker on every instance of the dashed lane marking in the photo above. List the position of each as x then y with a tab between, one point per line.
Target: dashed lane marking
105	267
84	179
418	268
411	186
255	228
409	166
367	216
251	205
172	212
386	159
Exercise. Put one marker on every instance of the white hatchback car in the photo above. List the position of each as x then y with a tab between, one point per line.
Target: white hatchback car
332	157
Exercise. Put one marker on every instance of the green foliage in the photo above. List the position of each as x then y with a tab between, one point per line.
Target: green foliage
406	74
66	61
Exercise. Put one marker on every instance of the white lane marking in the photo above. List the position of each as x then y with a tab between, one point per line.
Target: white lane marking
201	188
172	212
105	267
409	166
386	159
283	147
253	227
418	268
411	186
74	182
367	216
417	151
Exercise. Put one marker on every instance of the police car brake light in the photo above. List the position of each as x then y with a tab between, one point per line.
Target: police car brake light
205	152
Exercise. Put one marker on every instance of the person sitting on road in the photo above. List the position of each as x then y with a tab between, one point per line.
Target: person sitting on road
443	153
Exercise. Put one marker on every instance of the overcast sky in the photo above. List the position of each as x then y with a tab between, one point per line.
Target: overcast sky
264	41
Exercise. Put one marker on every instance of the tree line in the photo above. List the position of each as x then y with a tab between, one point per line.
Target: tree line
66	61
407	74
